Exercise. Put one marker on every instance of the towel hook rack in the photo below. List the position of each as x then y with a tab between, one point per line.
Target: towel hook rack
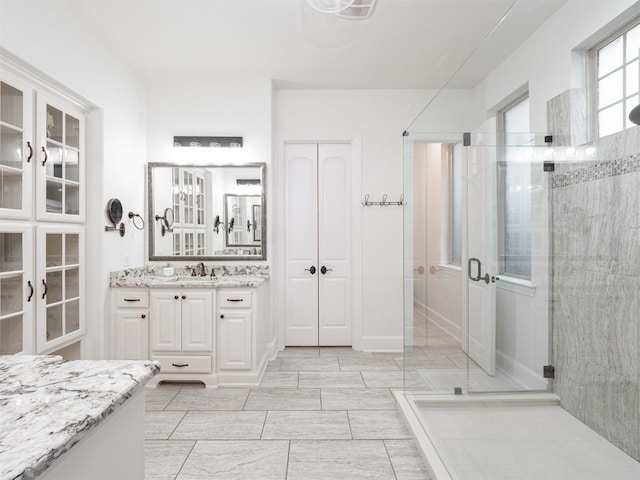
384	202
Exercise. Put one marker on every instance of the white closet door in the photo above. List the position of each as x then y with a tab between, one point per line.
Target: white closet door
334	244
301	245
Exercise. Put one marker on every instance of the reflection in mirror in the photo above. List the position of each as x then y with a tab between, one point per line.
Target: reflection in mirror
217	212
239	214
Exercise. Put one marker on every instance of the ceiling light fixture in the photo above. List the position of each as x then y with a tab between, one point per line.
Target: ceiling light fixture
352	9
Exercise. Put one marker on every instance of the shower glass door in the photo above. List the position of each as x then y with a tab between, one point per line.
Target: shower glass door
506	261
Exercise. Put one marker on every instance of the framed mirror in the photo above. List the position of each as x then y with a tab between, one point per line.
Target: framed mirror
207	212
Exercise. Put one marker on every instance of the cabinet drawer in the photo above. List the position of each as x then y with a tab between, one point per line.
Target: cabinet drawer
183	363
132	298
234	299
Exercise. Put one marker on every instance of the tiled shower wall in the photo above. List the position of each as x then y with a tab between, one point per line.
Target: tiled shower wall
596	277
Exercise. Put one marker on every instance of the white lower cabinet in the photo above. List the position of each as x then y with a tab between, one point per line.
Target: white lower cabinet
181	331
235	319
132	324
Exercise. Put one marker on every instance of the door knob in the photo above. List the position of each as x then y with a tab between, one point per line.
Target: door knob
312	270
324	270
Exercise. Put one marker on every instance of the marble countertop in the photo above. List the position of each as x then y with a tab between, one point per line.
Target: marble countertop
225	277
48	405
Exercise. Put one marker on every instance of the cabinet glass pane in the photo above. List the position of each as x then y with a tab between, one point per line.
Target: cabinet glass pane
72	249
11	335
72	283
11	103
54	160
71	162
54	197
11	295
10	252
11	184
72	131
54	322
54	250
54	287
72	316
10	147
72	200
54	124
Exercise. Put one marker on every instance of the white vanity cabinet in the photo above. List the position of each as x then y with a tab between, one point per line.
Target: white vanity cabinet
181	332
235	319
131	324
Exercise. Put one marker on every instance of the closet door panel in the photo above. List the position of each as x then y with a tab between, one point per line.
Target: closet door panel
301	245
334	244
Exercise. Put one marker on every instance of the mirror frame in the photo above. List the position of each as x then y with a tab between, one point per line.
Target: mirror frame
189	258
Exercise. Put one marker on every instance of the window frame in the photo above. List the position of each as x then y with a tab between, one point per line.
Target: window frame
501	187
592	75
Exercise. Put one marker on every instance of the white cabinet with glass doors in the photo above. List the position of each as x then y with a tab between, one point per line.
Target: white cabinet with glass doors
189	208
42	179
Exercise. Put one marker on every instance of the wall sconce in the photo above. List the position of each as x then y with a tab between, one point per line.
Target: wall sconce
216	224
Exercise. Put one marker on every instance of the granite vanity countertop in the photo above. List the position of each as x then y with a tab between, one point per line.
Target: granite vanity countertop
151	277
48	405
193	282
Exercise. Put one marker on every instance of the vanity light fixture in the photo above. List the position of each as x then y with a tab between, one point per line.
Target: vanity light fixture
213	142
248	182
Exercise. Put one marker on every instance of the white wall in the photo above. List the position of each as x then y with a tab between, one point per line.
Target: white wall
56	43
379	117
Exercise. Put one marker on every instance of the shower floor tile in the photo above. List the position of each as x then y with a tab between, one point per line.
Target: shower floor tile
523	443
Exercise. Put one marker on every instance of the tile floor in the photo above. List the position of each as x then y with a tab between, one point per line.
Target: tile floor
319	413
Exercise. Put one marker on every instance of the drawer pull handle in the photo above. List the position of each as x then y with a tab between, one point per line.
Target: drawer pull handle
235	300
131	299
180	365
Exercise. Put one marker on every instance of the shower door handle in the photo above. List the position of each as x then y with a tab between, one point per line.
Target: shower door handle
479	276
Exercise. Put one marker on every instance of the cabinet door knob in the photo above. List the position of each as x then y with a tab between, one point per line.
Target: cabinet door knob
176	297
221	316
143	316
184	297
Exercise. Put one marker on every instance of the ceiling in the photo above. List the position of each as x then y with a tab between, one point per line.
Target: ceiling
404	44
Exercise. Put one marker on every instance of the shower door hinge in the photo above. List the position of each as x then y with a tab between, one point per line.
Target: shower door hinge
549	371
466	139
405	134
548	166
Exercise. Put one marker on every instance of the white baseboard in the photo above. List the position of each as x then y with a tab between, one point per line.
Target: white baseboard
383	343
520	373
444	323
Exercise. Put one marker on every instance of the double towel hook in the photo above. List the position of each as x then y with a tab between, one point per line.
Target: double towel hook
384	202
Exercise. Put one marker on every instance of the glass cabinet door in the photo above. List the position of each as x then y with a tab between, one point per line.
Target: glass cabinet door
60	159
61	286
16	149
17	290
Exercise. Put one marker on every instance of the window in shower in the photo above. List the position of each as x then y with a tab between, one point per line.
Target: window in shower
455	204
514	191
616	76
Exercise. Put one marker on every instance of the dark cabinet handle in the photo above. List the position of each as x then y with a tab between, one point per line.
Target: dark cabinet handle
312	270
131	299
324	270
180	365
221	316
143	316
30	291
248	225
46	289
30	156
184	297
176	297
46	157
235	300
